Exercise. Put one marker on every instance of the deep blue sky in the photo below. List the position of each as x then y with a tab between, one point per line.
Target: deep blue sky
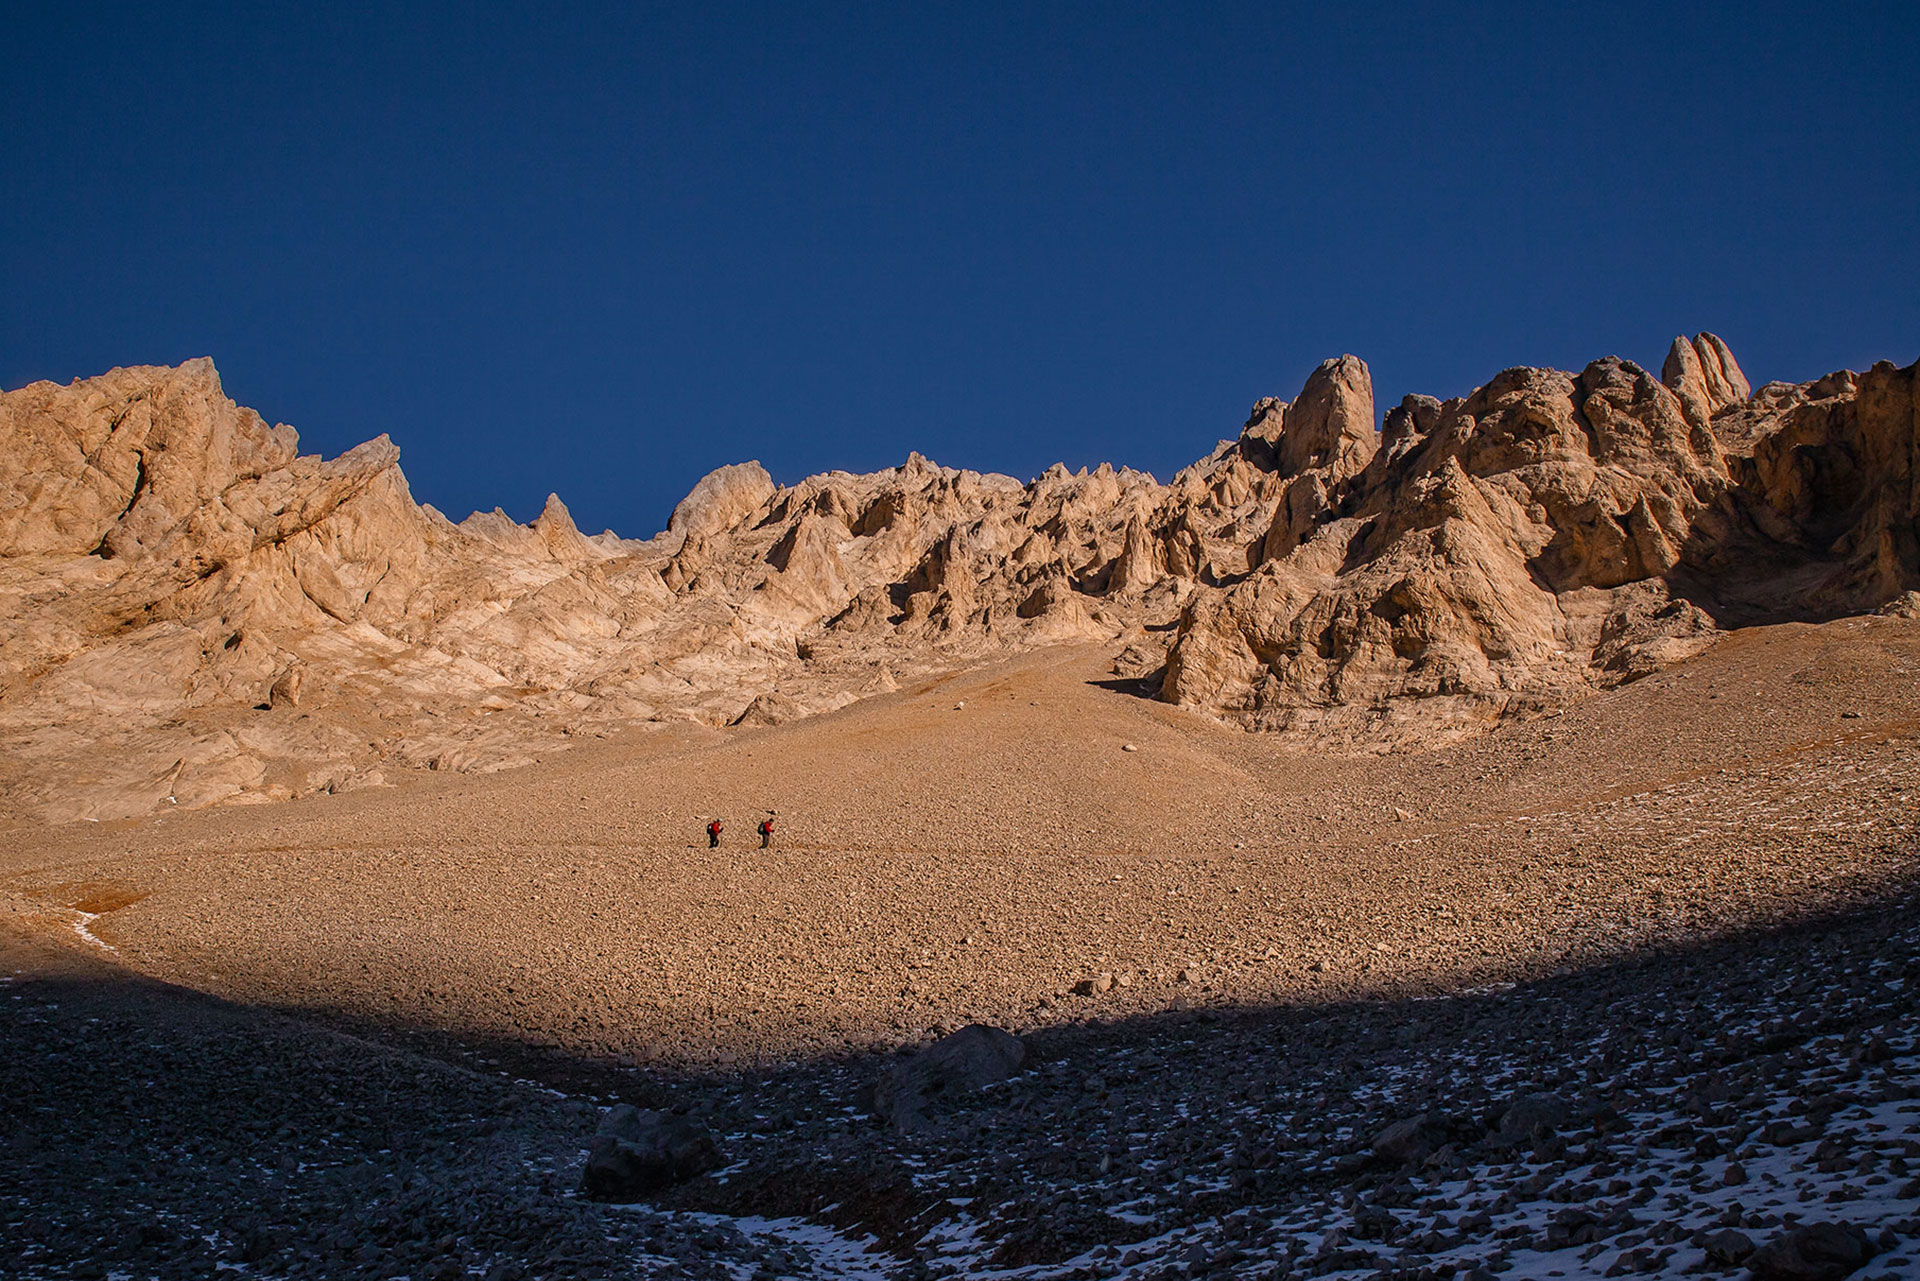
600	253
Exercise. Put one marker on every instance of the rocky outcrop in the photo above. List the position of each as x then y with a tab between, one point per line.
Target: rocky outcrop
720	499
1832	485
192	612
1480	562
1704	375
1552	533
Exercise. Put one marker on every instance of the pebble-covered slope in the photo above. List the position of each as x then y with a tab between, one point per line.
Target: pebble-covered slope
1657	1118
978	848
147	1131
1660	1118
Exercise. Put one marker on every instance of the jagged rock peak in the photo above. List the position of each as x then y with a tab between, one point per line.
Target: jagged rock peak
1704	375
720	500
149	461
1329	426
1331	423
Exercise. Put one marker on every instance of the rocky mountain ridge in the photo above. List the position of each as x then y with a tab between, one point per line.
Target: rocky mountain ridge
191	612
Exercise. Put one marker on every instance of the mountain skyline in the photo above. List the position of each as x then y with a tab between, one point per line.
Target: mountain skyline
601	255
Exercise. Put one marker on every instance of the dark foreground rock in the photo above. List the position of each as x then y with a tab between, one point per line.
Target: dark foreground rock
636	1153
1656	1117
955	1065
1813	1252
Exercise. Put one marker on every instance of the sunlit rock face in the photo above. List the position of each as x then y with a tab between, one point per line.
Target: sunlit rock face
191	612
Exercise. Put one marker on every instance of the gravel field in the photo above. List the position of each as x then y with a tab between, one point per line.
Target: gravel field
1605	1123
1673	1114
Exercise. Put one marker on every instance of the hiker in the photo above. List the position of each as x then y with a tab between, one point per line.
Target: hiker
713	835
766	832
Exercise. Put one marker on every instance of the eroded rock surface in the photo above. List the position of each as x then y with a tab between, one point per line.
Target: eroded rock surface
191	612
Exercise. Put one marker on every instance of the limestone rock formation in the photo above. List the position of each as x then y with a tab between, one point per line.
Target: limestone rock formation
191	612
1479	564
1704	375
720	499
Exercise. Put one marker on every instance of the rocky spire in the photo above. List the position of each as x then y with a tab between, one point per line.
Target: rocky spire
1704	375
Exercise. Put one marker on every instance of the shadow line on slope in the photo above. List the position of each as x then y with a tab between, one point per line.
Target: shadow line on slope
802	1145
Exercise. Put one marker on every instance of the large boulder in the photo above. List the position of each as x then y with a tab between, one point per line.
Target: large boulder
636	1153
1409	1140
1531	1117
1813	1252
954	1065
